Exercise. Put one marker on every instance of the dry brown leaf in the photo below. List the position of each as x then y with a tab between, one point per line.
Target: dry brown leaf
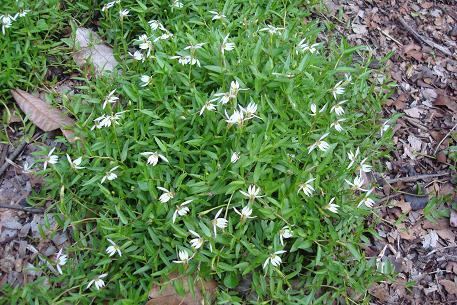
165	294
450	286
43	115
404	206
443	100
446	234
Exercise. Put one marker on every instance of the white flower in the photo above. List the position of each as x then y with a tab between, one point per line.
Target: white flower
365	167
250	110
108	6
303	46
237	118
110	98
285	233
98	281
51	159
338	89
110	175
164	36
385	126
61	260
337	125
177	4
124	13
153	157
245	213
145	80
274	259
321	144
26	167
227	46
272	30
252	193
208	106
314	109
332	207
183	256
186	60
23	13
75	164
145	44
181	210
357	184
155	24
111	250
307	187
353	157
197	242
7	21
235	157
223	98
194	47
217	16
166	196
220	223
338	109
367	201
137	55
106	120
348	77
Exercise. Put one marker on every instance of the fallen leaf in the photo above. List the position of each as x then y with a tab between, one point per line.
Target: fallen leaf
414	112
42	114
416	202
405	207
92	49
380	291
446	234
437	224
430	240
444	100
165	293
359	29
450	286
415	143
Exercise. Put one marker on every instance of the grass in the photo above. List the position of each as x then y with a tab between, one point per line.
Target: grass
319	247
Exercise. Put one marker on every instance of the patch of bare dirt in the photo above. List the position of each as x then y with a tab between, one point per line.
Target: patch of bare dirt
421	37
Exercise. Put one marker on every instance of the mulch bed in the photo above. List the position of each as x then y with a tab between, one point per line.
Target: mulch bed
417	232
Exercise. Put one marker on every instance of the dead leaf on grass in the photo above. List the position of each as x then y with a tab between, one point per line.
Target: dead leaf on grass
450	286
165	294
43	115
92	49
430	240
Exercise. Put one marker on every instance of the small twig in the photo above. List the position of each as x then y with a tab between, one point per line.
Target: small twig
13	156
387	198
442	140
21	208
415	178
423	39
390	37
444	248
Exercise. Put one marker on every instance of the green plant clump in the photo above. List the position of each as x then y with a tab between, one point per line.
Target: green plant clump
232	144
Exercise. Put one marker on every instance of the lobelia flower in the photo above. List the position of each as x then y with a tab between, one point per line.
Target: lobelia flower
106	120
155	24
109	5
111	250
285	233
27	168
153	157
365	167
110	175
237	118
181	210
332	207
137	55
75	164
23	13
220	223
217	16
313	108
367	201
252	193
338	109
245	213
166	196
321	144
357	184
110	98
250	110
194	47
338	89
145	80
196	242
145	44
235	157
272	30
274	259
208	106
98	281
385	126
183	256
50	159
164	36
227	46
303	46
307	187
177	4
124	13
186	60
353	157
7	21
337	125
60	260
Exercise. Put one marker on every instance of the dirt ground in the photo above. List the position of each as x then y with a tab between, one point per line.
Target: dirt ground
417	232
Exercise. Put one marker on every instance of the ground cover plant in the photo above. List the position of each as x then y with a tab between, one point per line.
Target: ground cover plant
232	144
